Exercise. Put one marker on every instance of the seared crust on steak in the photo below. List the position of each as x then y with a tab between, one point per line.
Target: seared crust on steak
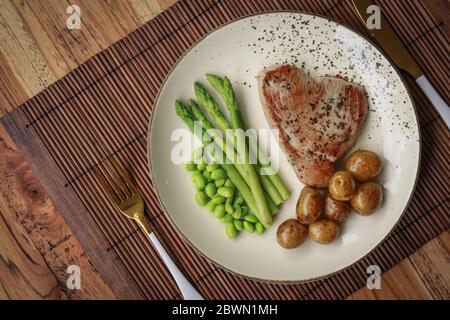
318	118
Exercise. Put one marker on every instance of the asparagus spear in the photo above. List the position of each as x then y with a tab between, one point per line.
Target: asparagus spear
222	123
223	86
211	106
263	212
237	123
272	206
207	125
225	89
269	187
198	114
231	171
249	173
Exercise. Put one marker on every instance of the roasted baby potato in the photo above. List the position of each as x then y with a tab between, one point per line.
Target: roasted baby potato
291	234
341	186
309	205
364	165
336	210
323	230
367	198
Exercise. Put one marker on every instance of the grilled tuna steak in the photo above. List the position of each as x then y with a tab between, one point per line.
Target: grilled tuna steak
318	118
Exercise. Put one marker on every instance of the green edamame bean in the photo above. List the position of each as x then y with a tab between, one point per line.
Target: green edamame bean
259	228
239	200
195	175
201	166
201	198
207	176
229	208
212	166
199	187
237	214
210	189
251	218
225	192
226	219
219	212
211	206
200	182
190	166
228	183
244	211
230	230
239	225
231	199
219	182
249	227
218	199
218	174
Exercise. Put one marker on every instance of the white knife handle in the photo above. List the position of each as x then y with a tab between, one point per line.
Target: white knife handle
187	290
435	98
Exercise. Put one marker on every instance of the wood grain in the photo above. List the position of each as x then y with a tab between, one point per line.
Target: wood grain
37	50
24	272
31	212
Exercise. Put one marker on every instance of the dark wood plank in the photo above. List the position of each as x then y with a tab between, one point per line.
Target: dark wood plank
29	209
24	273
73	211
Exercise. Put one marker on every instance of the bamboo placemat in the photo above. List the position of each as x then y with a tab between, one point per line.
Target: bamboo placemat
101	111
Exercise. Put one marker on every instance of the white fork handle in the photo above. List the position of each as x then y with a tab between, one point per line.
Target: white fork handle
435	98
186	288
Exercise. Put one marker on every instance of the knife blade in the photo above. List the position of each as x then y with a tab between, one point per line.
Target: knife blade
390	42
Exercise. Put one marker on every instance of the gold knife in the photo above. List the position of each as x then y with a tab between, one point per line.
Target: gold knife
394	48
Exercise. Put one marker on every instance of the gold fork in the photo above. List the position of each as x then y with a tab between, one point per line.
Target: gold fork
127	198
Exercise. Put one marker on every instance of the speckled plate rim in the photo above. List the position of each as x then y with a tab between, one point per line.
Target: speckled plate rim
392	64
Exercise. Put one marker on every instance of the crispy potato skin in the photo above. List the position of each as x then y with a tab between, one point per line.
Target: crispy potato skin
342	186
336	210
368	198
364	165
291	234
323	231
309	205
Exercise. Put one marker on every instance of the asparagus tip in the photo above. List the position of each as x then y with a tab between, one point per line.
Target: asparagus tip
212	76
197	85
199	90
179	108
178	104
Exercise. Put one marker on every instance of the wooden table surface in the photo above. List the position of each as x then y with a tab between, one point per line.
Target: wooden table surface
36	245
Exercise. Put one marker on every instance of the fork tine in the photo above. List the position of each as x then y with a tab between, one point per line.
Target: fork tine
106	185
125	177
116	181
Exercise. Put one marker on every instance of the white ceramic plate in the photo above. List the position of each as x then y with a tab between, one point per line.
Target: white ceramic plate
240	50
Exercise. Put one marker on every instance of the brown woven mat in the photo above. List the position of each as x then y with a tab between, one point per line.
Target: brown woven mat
101	110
